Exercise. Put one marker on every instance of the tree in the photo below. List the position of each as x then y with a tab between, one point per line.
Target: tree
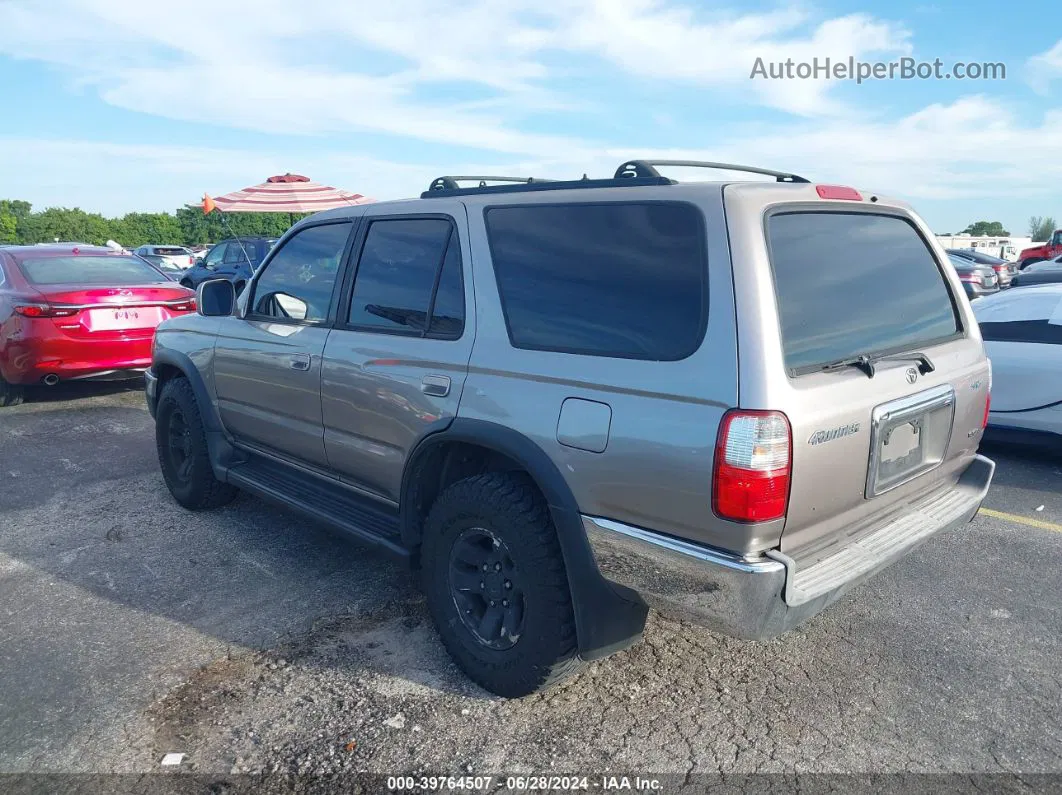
12	213
989	228
1041	227
187	226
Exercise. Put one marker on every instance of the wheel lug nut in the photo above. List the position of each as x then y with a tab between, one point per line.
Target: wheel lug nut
482	585
505	602
508	585
486	567
497	567
492	603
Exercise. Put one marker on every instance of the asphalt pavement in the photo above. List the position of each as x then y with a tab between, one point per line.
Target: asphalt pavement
250	640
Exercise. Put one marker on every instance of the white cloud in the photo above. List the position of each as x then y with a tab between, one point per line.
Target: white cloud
973	149
327	67
1045	67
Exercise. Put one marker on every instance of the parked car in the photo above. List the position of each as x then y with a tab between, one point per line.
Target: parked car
977	279
1040	273
78	313
1005	271
178	256
1022	330
234	260
1049	250
562	402
165	265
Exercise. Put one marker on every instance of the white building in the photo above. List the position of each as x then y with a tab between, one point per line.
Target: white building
1006	247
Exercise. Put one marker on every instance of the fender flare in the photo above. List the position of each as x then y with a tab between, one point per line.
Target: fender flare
181	361
608	618
221	451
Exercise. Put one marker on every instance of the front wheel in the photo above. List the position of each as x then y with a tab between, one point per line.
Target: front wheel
182	448
10	394
496	584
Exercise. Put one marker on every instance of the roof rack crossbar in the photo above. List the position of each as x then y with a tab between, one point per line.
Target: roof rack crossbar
647	168
451	182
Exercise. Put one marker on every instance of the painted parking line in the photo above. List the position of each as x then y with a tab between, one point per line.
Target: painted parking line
1013	517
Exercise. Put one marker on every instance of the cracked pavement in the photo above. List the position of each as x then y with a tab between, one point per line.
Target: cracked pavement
251	640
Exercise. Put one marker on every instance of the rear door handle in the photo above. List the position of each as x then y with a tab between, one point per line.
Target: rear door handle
299	361
435	385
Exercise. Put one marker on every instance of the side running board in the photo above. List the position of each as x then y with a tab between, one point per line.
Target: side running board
329	502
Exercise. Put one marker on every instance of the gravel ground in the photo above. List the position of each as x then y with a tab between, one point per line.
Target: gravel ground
252	641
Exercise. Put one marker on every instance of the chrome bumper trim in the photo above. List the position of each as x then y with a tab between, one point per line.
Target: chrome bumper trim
746	596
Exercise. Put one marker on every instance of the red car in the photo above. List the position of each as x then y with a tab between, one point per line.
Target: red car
79	313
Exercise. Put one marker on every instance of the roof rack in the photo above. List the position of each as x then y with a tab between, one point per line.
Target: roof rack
448	186
451	182
642	169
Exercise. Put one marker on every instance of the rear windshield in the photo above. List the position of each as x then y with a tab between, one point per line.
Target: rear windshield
169	251
109	270
854	283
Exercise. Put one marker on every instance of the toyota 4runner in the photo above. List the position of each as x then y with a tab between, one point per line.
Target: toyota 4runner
563	402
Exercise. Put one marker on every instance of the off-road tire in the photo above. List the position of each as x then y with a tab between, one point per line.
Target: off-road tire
511	508
10	394
198	489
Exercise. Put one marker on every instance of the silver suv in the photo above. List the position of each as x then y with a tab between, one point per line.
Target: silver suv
563	402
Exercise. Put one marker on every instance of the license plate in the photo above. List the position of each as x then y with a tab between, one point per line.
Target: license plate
910	436
119	319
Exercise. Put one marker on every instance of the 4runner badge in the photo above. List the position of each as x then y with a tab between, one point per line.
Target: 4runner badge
833	433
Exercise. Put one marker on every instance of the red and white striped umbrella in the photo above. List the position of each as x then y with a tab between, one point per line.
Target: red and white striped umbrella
287	193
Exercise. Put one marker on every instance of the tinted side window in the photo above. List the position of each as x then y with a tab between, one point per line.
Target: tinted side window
297	283
448	312
621	280
401	262
214	256
235	254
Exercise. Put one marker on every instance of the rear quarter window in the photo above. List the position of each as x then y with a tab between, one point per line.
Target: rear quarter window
624	280
854	283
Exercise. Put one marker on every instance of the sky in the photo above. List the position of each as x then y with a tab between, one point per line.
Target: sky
122	105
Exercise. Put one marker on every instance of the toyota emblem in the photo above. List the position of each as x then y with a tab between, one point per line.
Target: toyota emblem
912	375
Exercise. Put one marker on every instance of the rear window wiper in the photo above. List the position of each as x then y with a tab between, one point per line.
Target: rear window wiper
866	363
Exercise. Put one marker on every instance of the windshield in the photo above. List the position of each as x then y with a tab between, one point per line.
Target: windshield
109	270
854	283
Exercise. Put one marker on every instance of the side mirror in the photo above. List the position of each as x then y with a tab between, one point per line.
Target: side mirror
215	298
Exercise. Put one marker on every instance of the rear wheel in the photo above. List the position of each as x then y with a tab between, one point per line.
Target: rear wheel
183	457
10	394
496	584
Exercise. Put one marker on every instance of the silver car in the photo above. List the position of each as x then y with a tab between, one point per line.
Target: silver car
562	402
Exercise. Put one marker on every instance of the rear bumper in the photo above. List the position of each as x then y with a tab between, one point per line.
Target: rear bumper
74	359
761	597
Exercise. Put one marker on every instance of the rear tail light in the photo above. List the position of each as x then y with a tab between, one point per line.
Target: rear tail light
752	463
44	310
191	260
988	397
972	278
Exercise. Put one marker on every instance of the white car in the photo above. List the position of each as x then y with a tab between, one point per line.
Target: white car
177	256
1022	330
